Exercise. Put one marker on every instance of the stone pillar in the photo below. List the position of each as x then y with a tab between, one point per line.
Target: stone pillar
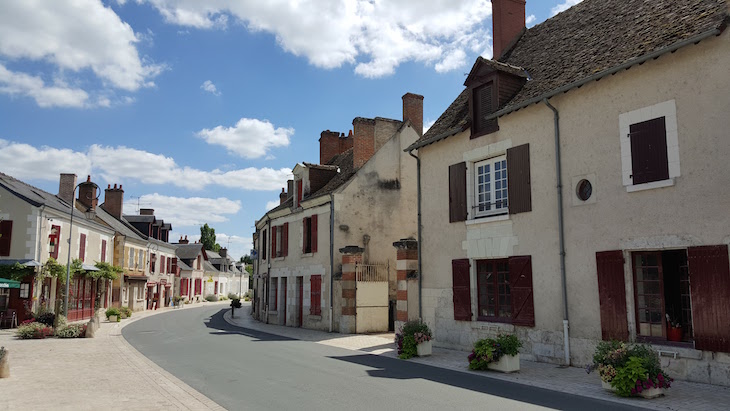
351	256
407	266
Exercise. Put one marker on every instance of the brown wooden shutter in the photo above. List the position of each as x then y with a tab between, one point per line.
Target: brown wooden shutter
519	195
709	277
485	103
612	295
305	237
457	192
315	305
82	247
520	282
649	151
6	235
285	240
462	289
273	242
103	250
314	233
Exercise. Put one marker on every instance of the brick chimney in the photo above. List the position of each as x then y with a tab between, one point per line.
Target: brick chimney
508	20
289	187
87	194
364	140
413	111
282	196
66	187
183	241
113	200
332	143
146	211
223	252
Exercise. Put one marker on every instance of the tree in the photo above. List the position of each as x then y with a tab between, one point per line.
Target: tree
246	259
207	237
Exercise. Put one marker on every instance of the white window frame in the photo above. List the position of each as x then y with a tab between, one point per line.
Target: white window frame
492	163
666	109
131	258
24	290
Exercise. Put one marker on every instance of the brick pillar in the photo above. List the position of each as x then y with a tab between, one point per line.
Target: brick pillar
407	266
351	256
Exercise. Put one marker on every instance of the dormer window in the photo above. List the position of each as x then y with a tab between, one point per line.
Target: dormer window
484	103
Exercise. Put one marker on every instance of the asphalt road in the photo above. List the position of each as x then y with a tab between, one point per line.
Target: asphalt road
245	369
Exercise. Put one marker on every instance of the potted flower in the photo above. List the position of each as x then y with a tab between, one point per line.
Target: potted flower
630	371
414	339
4	366
113	314
499	354
178	301
674	330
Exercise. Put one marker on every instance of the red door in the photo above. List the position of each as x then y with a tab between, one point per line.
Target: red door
81	299
300	299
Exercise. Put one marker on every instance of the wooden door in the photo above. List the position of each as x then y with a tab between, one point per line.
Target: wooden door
300	300
283	302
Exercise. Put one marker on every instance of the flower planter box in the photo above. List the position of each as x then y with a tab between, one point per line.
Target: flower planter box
652	393
113	318
506	363
424	349
607	386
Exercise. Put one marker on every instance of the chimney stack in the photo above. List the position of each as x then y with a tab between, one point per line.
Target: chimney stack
364	141
282	196
508	20
413	111
66	187
87	194
332	143
289	188
146	211
113	200
183	241
223	252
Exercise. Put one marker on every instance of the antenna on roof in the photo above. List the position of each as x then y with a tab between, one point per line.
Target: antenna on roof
140	203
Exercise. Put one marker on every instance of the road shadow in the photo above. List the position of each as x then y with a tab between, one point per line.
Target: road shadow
386	367
217	322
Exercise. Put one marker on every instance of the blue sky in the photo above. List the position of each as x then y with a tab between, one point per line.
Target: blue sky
201	109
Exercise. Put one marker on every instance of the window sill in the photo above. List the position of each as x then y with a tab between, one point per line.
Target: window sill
272	312
307	255
488	219
681	349
492	325
277	259
315	317
650	186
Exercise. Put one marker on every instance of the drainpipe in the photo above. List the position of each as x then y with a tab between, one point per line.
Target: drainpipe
561	232
268	270
420	244
332	256
39	279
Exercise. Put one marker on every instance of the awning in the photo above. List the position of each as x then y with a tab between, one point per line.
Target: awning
89	267
26	262
8	283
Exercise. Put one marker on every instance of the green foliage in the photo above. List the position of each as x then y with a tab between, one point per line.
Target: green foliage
490	350
207	238
235	303
410	335
626	376
249	269
246	259
211	298
46	318
53	269
106	271
629	369
33	331
15	272
125	312
176	299
509	343
112	311
71	331
232	296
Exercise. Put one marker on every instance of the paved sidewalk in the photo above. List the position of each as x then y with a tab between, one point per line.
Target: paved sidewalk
682	396
102	373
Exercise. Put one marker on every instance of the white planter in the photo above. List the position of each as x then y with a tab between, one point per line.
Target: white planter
607	386
507	363
113	318
424	348
652	393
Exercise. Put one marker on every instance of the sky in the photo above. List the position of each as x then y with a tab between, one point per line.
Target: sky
201	109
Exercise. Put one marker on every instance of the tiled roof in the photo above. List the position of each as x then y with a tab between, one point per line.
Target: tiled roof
188	251
347	170
119	226
589	38
140	218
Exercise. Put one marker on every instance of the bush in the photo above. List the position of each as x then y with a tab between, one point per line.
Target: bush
126	312
247	299
34	331
629	370
46	318
235	303
248	294
211	298
222	298
232	296
409	336
490	350
113	311
71	331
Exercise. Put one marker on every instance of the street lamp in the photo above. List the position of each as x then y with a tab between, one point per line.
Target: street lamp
89	213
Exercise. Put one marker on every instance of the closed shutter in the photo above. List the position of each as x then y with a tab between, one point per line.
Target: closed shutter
152	262
462	289
314	233
163	266
315	307
273	242
709	278
82	247
520	282
173	265
6	231
285	240
305	236
649	151
519	196
484	105
457	192
103	251
612	295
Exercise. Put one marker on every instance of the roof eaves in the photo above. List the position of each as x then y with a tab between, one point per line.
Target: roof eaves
446	134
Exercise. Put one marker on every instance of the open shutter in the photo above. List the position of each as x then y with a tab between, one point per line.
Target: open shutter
305	237
457	192
519	195
462	289
314	233
285	240
316	295
6	231
82	247
612	295
649	151
520	281
55	240
273	242
709	277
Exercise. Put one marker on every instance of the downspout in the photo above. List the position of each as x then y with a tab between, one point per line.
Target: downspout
268	270
420	244
39	279
561	232
332	256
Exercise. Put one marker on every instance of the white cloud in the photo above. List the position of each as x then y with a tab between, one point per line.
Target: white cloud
530	19
270	205
427	125
72	36
185	212
121	164
454	60
563	6
375	36
21	84
249	138
210	88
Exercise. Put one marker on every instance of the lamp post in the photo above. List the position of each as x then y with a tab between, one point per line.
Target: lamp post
89	213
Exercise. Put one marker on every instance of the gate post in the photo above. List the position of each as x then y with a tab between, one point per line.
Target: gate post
351	256
407	267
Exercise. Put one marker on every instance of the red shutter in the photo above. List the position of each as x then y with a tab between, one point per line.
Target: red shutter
457	192
520	284
314	233
152	263
612	295
163	267
273	242
305	238
315	306
649	151
82	247
519	197
462	289
55	240
709	275
103	251
173	265
285	240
